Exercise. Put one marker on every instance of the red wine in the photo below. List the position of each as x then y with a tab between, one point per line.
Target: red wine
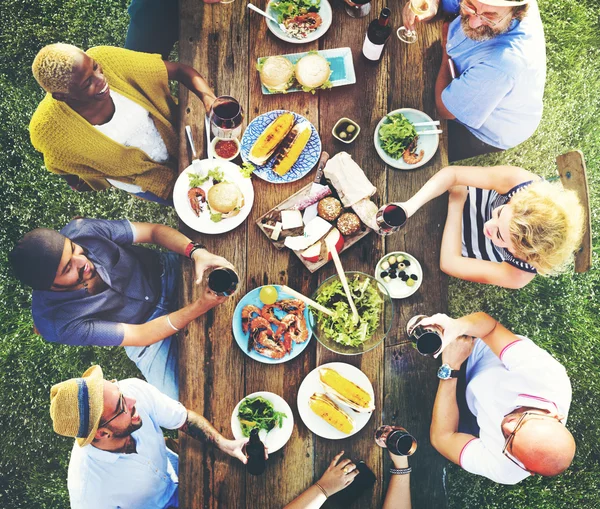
394	216
227	110
223	281
226	116
427	341
396	439
377	34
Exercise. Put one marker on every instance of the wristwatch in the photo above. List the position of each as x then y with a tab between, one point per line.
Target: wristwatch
191	247
446	372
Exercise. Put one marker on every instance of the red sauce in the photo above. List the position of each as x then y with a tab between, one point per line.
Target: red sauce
226	148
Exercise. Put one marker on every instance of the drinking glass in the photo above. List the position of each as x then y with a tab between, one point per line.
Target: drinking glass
396	439
390	218
223	281
226	116
419	8
358	8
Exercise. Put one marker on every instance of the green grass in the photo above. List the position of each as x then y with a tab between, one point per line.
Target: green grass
561	314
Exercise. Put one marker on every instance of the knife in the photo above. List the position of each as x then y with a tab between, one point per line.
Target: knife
310	212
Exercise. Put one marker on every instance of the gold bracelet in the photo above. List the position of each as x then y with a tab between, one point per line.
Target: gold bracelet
321	488
171	324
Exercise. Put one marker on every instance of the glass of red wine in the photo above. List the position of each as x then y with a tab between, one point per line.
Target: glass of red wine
358	8
390	218
226	116
223	281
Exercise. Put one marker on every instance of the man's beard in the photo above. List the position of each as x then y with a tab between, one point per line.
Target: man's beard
128	431
482	32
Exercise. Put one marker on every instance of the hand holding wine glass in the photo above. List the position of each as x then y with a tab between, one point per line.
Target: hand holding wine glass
415	10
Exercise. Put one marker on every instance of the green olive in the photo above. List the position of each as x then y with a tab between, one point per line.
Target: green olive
343	135
350	128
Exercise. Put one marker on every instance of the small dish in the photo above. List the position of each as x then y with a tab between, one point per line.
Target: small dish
397	288
342	125
214	150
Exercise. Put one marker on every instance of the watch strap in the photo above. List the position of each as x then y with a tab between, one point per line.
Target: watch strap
191	247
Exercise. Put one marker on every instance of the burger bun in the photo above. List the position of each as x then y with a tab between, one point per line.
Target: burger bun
225	198
312	71
277	73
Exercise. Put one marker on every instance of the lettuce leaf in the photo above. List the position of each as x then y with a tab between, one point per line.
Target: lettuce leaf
396	135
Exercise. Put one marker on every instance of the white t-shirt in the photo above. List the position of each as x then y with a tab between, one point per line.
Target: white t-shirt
524	375
132	126
146	479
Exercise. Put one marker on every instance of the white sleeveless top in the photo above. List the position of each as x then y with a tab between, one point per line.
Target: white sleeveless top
132	126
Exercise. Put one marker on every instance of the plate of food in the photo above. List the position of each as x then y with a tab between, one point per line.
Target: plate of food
340	333
400	273
269	413
336	400
397	141
215	198
306	72
282	145
305	20
271	326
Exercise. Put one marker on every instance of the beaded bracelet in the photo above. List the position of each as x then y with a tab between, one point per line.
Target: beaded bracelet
400	471
321	488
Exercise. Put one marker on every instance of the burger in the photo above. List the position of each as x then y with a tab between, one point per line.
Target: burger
225	199
276	73
313	72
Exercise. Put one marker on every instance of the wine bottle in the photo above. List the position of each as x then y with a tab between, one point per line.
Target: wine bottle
255	450
377	34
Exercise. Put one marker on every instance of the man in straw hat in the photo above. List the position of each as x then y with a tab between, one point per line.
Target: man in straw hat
119	458
491	80
92	285
504	416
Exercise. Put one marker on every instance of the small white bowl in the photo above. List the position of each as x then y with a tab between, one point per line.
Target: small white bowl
345	120
217	140
397	288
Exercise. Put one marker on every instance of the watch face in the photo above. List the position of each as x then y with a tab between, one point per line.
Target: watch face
444	372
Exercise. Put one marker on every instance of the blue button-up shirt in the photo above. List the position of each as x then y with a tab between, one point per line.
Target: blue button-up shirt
498	91
132	275
145	479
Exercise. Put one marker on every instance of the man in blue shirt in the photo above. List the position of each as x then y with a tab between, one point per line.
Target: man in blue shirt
93	286
491	80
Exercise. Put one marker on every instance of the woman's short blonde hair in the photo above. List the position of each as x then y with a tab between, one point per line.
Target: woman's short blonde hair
53	66
546	226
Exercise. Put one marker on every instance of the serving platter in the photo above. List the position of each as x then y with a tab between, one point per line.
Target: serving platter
340	61
306	162
277	437
428	143
326	16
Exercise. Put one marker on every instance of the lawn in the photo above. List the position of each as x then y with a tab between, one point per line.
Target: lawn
559	313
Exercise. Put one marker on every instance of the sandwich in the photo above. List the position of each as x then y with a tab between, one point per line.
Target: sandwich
291	147
271	137
326	409
344	391
225	199
276	74
313	72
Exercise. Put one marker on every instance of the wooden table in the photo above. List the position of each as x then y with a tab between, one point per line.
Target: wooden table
223	43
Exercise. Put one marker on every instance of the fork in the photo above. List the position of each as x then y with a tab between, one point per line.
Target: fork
196	165
263	13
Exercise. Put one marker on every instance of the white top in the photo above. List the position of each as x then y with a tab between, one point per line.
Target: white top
523	375
132	126
105	480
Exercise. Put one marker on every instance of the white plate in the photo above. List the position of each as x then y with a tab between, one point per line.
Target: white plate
428	142
312	384
203	224
324	12
277	437
396	287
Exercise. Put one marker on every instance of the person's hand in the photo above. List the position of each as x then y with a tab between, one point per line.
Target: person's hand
208	100
458	351
235	449
451	328
409	18
398	461
339	475
204	260
208	300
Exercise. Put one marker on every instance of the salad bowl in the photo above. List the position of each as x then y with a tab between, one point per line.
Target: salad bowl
340	334
324	10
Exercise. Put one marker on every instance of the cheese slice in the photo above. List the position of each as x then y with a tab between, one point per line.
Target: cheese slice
314	231
276	231
291	219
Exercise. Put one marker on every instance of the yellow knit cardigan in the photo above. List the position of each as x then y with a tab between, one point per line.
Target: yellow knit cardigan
71	145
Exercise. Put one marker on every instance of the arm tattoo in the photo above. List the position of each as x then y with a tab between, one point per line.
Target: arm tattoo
199	428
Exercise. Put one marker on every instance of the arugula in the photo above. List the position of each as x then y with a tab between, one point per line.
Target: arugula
285	9
396	135
259	413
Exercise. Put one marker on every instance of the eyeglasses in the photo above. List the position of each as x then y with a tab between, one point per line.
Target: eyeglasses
472	12
122	406
518	426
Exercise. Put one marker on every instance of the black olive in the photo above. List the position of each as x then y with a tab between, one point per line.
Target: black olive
393	275
402	273
414	276
407	263
383	274
404	278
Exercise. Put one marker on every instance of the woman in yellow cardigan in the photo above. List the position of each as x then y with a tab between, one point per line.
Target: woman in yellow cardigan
108	118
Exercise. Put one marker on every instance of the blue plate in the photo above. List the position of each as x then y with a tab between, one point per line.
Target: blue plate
306	162
242	339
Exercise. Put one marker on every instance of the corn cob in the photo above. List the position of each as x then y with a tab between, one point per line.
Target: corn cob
270	138
326	409
291	147
344	391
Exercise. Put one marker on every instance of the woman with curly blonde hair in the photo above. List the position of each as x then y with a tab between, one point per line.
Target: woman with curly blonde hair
504	224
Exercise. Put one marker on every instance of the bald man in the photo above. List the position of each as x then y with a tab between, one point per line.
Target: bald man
517	398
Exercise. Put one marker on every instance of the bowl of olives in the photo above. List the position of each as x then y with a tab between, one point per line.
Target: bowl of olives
345	130
400	273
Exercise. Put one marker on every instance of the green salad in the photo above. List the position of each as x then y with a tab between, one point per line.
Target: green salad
259	413
340	327
396	135
285	9
215	174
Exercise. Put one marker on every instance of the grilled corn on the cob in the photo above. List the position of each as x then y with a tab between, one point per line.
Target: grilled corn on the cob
270	138
342	390
291	147
321	405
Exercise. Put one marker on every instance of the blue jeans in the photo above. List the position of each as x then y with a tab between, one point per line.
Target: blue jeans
158	362
153	26
147	195
174	460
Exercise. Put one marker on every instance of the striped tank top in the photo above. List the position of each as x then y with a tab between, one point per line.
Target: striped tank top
478	209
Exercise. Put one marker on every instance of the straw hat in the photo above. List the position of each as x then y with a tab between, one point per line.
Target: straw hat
76	405
504	3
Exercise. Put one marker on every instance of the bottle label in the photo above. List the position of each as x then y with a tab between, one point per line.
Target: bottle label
372	51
